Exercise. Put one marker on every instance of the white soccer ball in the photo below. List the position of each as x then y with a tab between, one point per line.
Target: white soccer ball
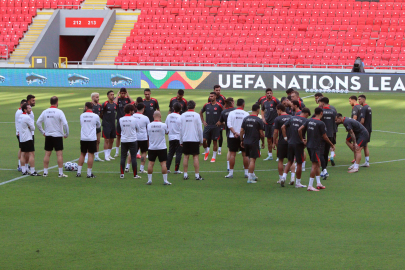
346	91
312	90
333	91
306	90
329	90
68	166
75	166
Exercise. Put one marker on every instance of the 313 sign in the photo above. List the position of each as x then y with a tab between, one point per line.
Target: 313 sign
83	22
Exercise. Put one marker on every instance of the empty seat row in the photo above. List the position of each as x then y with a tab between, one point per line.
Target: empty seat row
16	18
40	3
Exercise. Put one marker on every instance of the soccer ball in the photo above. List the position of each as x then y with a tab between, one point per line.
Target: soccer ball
346	91
75	166
306	90
333	91
68	166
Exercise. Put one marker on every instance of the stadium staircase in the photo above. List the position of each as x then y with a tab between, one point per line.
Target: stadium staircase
94	4
124	24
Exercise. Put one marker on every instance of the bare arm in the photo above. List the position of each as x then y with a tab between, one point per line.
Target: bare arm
130	99
284	131
328	141
362	121
242	132
300	133
202	119
262	137
262	114
275	138
355	117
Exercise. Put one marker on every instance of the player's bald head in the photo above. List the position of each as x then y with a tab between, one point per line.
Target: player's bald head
157	115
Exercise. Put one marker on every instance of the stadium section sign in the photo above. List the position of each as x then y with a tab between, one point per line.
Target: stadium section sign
83	22
156	79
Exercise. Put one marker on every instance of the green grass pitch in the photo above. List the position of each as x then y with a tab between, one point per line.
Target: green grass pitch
357	222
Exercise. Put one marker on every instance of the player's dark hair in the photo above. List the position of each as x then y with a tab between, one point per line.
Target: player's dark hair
296	92
353	98
296	103
339	115
216	86
139	100
140	106
318	94
129	108
146	90
191	105
255	107
289	91
180	92
240	102
24	106
282	99
306	110
29	97
88	105
281	107
212	93
23	101
109	92
324	100
123	90
289	98
318	111
228	101
362	96
54	100
268	89
177	107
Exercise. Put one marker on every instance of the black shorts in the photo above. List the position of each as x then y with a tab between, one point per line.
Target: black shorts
361	139
160	154
296	151
191	148
98	130
269	130
252	150
234	145
211	133
282	151
109	132
118	129
315	154
88	146
143	145
53	143
27	146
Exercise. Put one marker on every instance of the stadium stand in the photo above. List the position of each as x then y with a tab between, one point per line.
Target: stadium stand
16	17
270	33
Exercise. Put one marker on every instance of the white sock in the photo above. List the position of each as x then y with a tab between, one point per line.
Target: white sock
332	153
96	154
280	176
227	165
292	176
214	154
26	166
251	176
87	156
230	171
19	163
142	167
149	177
32	169
325	171
356	166
298	181
367	159
219	149
23	169
165	178
105	153
79	169
284	175
246	171
311	182
207	150
117	150
88	171
303	164
60	170
270	154
318	179
185	174
197	175
45	170
128	165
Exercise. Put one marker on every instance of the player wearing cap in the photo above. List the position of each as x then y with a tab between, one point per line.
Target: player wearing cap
234	124
173	123
25	128
121	100
178	99
56	128
191	138
366	121
142	136
357	138
129	128
229	106
109	132
213	112
157	147
89	123
316	132
95	98
295	145
16	118
281	144
151	104
269	113
251	132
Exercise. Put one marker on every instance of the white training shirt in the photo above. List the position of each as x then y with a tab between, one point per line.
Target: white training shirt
143	122
129	127
31	115
89	122
156	132
18	113
55	123
173	122
25	127
191	127
235	119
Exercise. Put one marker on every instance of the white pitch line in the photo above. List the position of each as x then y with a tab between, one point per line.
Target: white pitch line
308	96
23	176
389	132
